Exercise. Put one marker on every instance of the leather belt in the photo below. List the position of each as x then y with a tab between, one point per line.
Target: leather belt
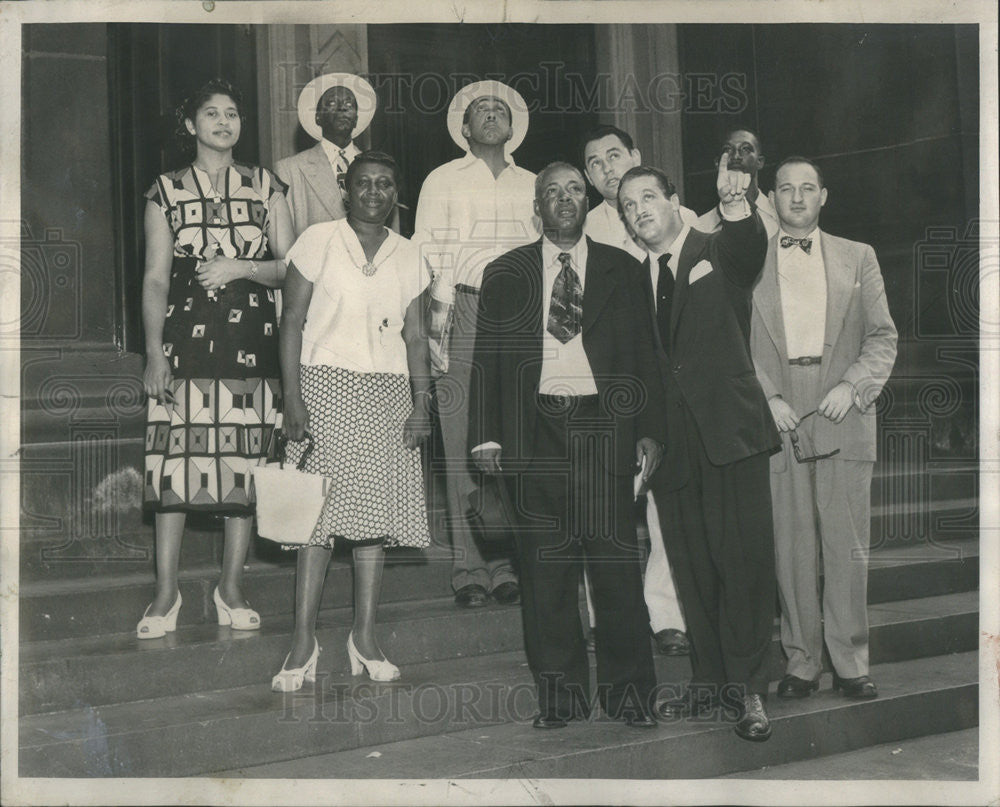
805	361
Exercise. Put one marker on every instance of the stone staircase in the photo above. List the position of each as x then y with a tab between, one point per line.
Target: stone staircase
96	702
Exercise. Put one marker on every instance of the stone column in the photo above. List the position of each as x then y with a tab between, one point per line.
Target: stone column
638	66
288	58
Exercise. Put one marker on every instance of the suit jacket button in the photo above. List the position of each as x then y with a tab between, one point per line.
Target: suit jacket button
676	368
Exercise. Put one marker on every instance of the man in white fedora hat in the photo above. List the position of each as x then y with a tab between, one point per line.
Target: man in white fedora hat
470	211
334	109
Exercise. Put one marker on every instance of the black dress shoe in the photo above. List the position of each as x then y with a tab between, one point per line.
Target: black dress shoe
672	642
753	724
687	705
471	596
791	686
543	721
862	688
508	593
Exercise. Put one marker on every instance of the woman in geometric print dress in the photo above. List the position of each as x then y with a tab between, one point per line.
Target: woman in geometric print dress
216	233
356	374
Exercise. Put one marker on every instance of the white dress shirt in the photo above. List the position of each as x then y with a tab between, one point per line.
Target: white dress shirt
333	152
675	251
565	367
466	217
802	288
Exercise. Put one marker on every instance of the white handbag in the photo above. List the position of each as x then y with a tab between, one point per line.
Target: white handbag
289	500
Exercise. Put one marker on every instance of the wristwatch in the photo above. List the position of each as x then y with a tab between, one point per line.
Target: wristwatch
253	271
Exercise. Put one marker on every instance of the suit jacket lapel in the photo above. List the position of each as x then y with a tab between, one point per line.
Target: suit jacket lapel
533	326
323	179
597	290
692	245
650	300
839	285
767	298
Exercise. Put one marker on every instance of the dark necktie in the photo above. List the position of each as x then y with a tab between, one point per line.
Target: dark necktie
566	306
806	243
664	299
342	165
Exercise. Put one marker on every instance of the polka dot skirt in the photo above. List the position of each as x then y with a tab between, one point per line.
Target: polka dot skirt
356	420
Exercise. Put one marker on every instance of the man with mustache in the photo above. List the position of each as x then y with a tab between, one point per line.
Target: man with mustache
334	108
713	488
566	403
608	152
743	149
471	210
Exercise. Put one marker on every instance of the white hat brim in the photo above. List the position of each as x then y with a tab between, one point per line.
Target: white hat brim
313	91
495	89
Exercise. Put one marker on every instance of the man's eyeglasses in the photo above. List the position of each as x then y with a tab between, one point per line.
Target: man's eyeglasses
806	453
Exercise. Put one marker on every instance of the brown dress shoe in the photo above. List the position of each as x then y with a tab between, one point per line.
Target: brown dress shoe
672	642
791	686
471	596
753	724
861	688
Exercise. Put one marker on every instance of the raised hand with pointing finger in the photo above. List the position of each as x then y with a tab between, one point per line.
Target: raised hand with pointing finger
731	184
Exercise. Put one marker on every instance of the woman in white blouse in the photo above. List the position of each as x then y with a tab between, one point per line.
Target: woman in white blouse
351	345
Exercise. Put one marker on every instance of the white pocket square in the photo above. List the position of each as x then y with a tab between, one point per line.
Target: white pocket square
698	271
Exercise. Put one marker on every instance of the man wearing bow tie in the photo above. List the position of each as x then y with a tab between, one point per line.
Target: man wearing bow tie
823	343
712	489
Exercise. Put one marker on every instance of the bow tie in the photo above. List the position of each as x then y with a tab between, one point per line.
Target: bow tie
805	243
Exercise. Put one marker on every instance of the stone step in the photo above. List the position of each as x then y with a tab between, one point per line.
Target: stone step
917	697
202	732
61	675
59	609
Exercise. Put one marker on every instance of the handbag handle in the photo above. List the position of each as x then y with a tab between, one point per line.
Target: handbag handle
282	444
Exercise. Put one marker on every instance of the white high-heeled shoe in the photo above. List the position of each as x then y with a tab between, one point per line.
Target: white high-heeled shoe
291	680
239	618
153	627
383	670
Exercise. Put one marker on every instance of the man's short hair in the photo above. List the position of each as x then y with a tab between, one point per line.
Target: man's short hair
730	130
468	109
796	160
604	130
647	171
550	167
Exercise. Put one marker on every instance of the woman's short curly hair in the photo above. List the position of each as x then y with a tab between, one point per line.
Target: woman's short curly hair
188	108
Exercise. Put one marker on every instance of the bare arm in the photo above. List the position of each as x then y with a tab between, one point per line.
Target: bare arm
418	361
297	295
155	285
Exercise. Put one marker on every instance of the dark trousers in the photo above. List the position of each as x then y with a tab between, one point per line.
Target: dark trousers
574	510
720	542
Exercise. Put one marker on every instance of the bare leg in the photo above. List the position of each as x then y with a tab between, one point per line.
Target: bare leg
368	562
310	574
169	532
234	555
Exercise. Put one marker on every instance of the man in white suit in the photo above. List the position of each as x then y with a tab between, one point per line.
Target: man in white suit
823	345
334	108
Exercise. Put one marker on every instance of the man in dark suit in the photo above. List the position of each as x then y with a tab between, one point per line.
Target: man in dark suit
713	482
566	403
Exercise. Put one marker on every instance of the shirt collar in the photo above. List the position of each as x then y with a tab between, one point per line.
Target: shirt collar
674	249
471	159
333	150
577	254
814	235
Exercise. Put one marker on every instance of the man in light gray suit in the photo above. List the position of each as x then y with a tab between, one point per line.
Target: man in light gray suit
823	345
334	108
